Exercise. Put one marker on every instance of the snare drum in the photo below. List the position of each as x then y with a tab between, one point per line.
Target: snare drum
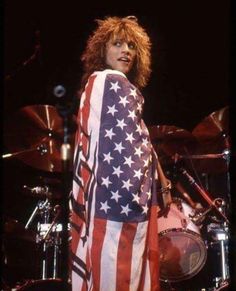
182	251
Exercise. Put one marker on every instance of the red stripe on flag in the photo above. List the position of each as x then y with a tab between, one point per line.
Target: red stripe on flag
99	232
153	256
124	256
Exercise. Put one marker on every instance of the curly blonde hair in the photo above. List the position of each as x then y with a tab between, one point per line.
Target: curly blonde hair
128	28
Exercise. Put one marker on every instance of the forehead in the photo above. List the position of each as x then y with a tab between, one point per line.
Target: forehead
122	34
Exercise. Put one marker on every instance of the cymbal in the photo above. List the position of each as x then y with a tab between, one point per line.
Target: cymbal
35	133
170	139
15	229
213	136
213	127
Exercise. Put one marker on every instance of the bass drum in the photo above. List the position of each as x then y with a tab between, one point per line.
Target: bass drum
182	251
45	285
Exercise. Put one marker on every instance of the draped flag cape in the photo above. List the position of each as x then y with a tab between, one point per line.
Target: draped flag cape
114	204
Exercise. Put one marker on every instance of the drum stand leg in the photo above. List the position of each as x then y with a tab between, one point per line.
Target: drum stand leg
223	261
56	252
50	241
222	281
44	262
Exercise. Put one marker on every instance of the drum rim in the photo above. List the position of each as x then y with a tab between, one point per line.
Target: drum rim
179	230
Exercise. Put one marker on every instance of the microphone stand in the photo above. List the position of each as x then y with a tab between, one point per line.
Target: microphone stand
66	112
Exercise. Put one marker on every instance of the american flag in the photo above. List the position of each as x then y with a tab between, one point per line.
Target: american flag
114	204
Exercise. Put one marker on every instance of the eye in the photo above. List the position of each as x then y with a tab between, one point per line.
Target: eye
117	43
131	45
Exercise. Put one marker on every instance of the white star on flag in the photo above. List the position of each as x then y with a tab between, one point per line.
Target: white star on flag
126	184
133	92
112	110
149	194
108	158
138	151
139	107
125	209
136	198
121	123
114	86
109	133
106	181
115	195
138	174
145	142
117	171
146	162
119	147
104	206
123	100
129	137
132	114
128	161
145	209
139	129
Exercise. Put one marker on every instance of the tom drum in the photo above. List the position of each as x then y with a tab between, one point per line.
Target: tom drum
182	251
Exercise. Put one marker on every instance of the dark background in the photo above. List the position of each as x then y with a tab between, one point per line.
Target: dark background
190	53
190	68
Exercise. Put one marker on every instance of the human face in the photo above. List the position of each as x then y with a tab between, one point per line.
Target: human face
120	54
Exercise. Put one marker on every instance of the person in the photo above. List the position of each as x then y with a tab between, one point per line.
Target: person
114	193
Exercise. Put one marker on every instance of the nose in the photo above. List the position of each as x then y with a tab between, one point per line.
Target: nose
125	47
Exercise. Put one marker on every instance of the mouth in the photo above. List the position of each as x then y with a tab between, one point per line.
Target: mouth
124	59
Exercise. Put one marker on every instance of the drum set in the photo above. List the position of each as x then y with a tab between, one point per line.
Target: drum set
193	228
34	251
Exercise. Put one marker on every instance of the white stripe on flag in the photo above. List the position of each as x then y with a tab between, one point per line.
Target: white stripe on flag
109	256
147	279
137	252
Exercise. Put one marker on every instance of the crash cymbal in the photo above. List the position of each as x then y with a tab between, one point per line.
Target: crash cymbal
214	127
214	142
170	139
35	133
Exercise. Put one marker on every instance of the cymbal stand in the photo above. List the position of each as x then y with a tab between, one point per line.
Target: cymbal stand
65	109
49	238
220	236
41	205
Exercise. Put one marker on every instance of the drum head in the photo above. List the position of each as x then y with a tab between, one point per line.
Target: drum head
182	254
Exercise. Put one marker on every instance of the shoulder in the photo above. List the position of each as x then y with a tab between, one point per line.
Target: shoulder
112	81
109	75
